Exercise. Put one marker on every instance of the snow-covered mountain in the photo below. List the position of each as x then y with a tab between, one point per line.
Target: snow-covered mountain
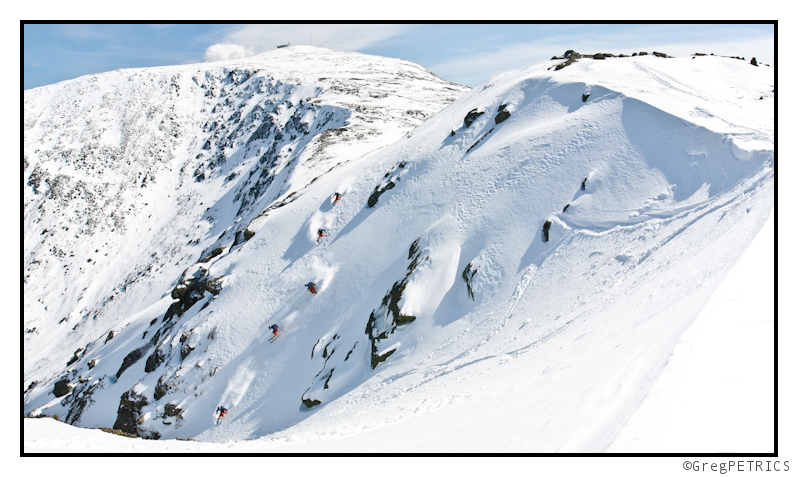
519	259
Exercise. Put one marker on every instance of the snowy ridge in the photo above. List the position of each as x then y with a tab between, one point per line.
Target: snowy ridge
525	272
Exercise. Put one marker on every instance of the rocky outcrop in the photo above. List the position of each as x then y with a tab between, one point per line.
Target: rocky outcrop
62	387
129	414
472	116
154	360
468	275
132	358
185	348
384	320
502	114
392	177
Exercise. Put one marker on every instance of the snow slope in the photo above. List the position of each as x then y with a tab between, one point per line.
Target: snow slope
511	284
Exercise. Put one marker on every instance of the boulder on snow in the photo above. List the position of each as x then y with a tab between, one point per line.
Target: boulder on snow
584	97
753	62
170	410
583	183
502	114
546	227
185	348
129	414
472	116
214	286
309	403
468	274
62	387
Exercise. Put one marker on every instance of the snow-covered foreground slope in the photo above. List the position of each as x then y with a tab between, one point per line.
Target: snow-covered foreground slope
512	282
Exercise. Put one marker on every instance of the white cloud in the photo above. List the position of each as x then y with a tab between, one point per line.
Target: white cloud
259	38
226	51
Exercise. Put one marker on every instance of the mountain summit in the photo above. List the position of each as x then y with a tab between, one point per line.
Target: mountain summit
517	260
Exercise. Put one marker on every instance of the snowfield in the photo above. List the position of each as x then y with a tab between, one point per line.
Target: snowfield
514	268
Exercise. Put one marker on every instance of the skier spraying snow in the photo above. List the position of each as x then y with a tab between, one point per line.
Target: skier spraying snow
275	329
321	233
311	287
222	412
337	197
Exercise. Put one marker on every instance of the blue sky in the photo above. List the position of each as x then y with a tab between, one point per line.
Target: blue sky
464	54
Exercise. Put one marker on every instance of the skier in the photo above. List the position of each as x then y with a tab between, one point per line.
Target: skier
222	411
311	287
274	329
321	233
337	198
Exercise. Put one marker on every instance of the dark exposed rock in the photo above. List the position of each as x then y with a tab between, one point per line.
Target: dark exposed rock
472	116
132	358
185	348
468	274
129	413
583	183
161	388
93	362
110	335
384	320
350	351
382	188
378	191
214	286
80	399
214	253
585	96
546	226
242	236
479	140
171	410
189	290
74	358
154	360
660	55
502	114
309	403
753	62
599	56
566	207
62	387
642	53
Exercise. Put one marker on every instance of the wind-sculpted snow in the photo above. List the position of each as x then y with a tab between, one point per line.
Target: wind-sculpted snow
526	272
